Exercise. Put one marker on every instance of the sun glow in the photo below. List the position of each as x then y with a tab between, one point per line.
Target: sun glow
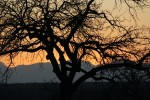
30	58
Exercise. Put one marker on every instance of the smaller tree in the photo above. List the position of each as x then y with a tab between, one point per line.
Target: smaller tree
5	74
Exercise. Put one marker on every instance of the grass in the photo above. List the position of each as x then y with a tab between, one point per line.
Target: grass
86	91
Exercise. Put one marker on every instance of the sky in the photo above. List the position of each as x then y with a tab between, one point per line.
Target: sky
143	15
27	58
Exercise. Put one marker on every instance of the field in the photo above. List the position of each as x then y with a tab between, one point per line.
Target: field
86	91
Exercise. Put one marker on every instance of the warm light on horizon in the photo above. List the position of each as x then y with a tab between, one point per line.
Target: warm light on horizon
28	58
25	59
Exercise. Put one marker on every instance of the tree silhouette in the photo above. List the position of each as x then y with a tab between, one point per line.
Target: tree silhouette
77	30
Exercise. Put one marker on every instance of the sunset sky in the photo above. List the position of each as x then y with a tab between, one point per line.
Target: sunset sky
26	58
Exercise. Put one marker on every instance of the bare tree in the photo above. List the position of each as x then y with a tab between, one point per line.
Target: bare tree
77	30
5	73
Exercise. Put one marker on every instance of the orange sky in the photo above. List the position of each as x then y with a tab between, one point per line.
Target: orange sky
26	58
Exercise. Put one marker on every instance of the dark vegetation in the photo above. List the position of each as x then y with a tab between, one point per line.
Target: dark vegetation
29	91
72	31
86	91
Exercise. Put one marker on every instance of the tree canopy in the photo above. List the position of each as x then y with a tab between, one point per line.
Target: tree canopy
77	30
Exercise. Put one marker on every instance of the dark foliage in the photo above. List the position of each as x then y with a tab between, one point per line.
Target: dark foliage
73	31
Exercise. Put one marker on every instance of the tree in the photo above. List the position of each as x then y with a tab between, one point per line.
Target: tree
77	31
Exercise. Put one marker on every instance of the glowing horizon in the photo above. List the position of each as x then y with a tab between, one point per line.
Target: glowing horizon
28	58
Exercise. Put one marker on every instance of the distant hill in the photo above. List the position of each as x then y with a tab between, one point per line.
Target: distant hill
2	66
36	73
43	72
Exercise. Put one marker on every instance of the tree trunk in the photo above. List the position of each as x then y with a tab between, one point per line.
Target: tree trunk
66	91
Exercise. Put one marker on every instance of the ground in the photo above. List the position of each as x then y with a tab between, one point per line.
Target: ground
86	91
